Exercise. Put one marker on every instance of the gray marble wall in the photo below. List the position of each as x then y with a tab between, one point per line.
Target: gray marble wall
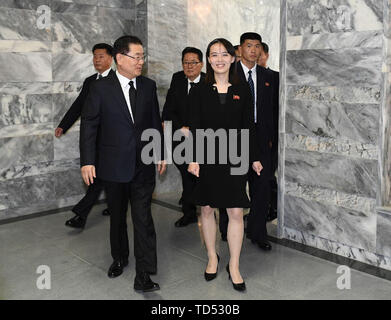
42	70
334	127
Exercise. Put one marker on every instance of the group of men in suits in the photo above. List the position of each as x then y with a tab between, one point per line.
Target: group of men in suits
116	107
265	98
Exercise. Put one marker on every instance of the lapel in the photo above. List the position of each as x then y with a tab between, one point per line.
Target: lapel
183	89
260	82
139	99
119	96
240	72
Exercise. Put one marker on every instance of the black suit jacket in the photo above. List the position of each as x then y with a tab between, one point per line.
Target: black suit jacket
176	105
107	129
264	125
74	111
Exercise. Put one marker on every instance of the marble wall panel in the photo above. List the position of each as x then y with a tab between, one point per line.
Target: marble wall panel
368	95
335	247
17	88
26	67
357	67
358	122
23	4
61	104
19	24
73	8
24	46
72	67
308	16
24	130
25	109
29	150
341	40
331	171
67	146
127	4
34	169
383	243
346	226
342	147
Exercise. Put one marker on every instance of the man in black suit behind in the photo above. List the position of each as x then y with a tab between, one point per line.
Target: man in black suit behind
176	110
274	152
117	111
260	83
102	60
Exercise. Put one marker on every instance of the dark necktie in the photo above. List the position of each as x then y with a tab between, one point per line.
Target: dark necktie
192	85
252	89
100	77
132	99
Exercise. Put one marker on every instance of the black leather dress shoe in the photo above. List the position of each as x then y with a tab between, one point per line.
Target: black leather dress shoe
143	283
76	222
117	268
183	222
106	212
264	245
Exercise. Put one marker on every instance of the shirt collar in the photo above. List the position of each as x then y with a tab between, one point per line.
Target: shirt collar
104	74
124	81
246	70
196	80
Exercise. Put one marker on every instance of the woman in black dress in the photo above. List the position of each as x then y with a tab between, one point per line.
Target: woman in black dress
222	103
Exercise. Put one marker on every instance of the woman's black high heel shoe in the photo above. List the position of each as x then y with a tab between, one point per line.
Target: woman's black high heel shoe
211	276
237	286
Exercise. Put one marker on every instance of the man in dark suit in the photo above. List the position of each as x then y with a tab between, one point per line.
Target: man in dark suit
262	61
117	112
102	60
176	110
260	83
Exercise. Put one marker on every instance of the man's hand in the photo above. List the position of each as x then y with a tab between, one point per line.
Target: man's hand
194	169
88	174
257	167
58	132
161	167
185	131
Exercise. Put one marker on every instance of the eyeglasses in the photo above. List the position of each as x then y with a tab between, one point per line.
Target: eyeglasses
143	58
190	63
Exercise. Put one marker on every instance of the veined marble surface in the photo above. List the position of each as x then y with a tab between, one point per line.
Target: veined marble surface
338	248
42	74
345	226
336	172
308	16
356	66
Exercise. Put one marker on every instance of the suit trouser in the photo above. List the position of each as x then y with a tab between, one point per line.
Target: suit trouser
84	206
139	193
188	182
259	187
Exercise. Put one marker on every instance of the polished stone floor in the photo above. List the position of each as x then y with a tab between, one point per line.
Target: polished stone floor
79	260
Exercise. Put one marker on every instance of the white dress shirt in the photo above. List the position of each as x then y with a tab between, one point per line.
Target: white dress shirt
125	89
196	80
104	74
254	77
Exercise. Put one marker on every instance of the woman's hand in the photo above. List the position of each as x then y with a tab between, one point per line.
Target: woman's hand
257	167
194	168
